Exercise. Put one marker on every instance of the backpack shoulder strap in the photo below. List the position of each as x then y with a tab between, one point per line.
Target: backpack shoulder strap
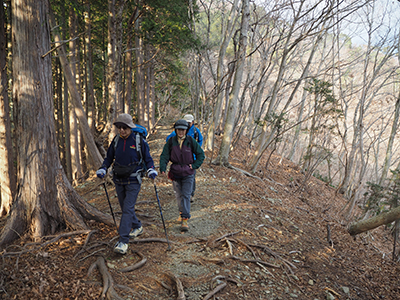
115	142
196	133
169	143
191	140
138	139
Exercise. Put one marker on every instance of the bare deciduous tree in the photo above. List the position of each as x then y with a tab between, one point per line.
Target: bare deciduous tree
223	156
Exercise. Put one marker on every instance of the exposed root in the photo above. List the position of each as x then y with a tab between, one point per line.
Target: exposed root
229	246
248	247
108	283
224	236
255	261
55	239
214	291
150	240
135	266
179	286
90	248
286	263
91	254
88	238
127	288
164	285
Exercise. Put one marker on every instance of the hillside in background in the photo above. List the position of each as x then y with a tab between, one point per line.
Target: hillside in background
260	237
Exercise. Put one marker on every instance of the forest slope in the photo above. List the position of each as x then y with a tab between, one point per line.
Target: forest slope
249	238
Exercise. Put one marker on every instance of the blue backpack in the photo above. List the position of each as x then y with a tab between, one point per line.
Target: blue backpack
141	130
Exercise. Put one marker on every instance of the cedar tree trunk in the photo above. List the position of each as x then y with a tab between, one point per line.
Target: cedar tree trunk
45	201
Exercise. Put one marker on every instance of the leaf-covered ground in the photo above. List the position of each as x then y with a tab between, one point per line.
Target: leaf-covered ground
249	238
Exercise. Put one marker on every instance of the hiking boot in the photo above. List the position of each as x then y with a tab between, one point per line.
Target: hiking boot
179	220
136	232
121	248
184	225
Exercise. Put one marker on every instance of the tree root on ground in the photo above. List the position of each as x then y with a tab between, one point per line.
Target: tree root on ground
286	263
214	291
53	240
91	254
137	265
150	240
254	261
108	292
220	286
222	237
179	286
100	244
247	246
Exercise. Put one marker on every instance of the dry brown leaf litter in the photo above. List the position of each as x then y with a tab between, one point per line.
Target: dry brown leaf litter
248	239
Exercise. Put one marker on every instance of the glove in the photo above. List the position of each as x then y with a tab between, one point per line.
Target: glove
101	173
152	173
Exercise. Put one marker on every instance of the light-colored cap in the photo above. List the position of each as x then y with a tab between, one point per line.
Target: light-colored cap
189	118
125	119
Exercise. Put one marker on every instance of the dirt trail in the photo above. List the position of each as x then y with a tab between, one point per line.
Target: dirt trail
249	238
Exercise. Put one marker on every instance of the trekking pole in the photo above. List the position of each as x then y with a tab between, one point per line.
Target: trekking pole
162	218
109	203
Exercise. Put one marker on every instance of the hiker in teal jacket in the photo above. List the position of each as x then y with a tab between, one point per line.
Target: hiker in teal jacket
195	133
180	150
128	164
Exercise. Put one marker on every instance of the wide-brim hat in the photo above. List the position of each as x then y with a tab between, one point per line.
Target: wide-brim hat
181	124
125	119
189	118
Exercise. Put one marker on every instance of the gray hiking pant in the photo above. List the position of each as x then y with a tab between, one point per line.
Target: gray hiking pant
183	190
194	183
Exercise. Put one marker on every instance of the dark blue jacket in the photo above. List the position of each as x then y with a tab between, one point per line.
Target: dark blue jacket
124	153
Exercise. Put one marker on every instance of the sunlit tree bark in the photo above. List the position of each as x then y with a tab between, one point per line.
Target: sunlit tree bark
389	149
45	201
73	132
94	158
7	171
228	30
223	155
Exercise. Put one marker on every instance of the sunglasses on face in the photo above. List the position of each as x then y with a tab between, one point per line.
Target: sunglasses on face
122	127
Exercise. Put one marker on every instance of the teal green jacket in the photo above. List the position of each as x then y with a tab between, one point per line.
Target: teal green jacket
181	158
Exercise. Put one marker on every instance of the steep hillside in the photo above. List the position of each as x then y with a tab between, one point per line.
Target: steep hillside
249	238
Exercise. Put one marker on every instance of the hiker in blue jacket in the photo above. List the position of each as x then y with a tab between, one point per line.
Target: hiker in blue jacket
180	150
195	133
129	154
